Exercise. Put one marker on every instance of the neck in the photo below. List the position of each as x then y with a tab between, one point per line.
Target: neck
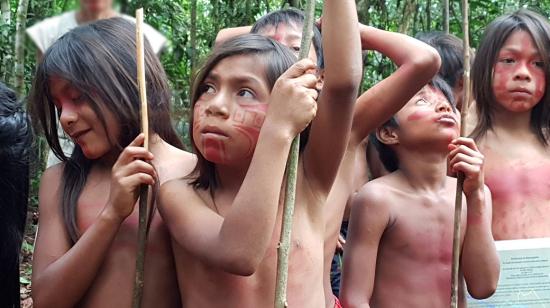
424	170
231	177
512	121
83	16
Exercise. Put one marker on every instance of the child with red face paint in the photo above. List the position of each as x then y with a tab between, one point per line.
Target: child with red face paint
226	233
510	76
399	247
86	245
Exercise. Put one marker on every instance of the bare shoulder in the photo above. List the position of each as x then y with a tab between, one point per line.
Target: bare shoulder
50	185
173	163
378	191
374	201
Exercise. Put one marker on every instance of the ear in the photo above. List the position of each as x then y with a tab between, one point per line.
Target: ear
387	135
320	80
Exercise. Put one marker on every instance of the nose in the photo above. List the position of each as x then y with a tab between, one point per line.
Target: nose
443	106
217	105
522	72
68	116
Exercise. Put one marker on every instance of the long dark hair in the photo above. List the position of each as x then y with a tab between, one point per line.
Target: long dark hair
15	145
99	60
494	37
275	57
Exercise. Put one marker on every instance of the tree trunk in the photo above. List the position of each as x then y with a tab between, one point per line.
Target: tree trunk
6	11
446	16
408	12
193	36
20	47
363	11
429	15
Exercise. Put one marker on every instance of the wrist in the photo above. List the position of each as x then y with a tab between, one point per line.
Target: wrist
110	217
276	132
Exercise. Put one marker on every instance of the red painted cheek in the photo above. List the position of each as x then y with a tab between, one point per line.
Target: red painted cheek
418	115
214	150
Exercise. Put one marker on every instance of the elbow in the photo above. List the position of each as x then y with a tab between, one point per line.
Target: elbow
428	63
484	292
484	289
242	265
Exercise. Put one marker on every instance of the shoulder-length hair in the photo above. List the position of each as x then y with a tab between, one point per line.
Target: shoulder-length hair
494	37
275	58
99	60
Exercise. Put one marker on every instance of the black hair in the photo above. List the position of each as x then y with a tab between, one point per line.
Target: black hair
494	37
99	60
275	57
15	145
290	16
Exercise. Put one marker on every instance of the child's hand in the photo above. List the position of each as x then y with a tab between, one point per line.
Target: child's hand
128	173
465	157
292	104
364	34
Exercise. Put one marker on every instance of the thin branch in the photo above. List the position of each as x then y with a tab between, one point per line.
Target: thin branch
144	189
460	180
283	251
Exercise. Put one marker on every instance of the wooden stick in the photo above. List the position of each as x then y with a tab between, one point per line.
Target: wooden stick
460	178
283	250
144	189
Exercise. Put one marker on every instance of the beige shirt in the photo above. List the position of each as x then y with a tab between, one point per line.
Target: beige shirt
46	32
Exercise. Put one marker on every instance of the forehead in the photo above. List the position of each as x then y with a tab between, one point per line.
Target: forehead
240	68
430	93
520	41
288	34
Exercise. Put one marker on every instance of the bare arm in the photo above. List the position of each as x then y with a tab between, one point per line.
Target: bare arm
227	33
329	133
479	260
417	62
368	220
237	243
58	266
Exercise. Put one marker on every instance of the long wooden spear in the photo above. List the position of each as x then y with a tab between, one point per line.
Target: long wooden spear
460	176
283	250
144	189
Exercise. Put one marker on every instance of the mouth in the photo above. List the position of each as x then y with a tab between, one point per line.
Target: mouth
213	131
75	136
522	91
446	119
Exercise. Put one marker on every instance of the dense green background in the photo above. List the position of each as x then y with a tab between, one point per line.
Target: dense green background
191	27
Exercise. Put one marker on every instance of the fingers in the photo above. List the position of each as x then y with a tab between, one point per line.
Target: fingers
298	69
134	151
465	156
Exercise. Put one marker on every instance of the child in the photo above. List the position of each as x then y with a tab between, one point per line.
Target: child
510	76
86	244
15	143
399	246
371	109
230	225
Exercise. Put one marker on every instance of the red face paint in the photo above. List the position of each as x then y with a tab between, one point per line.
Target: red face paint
519	81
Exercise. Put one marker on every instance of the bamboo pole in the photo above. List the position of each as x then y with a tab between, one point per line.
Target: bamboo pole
144	189
460	178
283	249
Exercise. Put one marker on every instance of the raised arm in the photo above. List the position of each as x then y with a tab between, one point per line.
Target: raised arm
329	133
237	243
417	62
368	219
479	260
58	266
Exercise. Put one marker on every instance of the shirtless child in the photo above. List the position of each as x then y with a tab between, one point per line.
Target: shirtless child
399	245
